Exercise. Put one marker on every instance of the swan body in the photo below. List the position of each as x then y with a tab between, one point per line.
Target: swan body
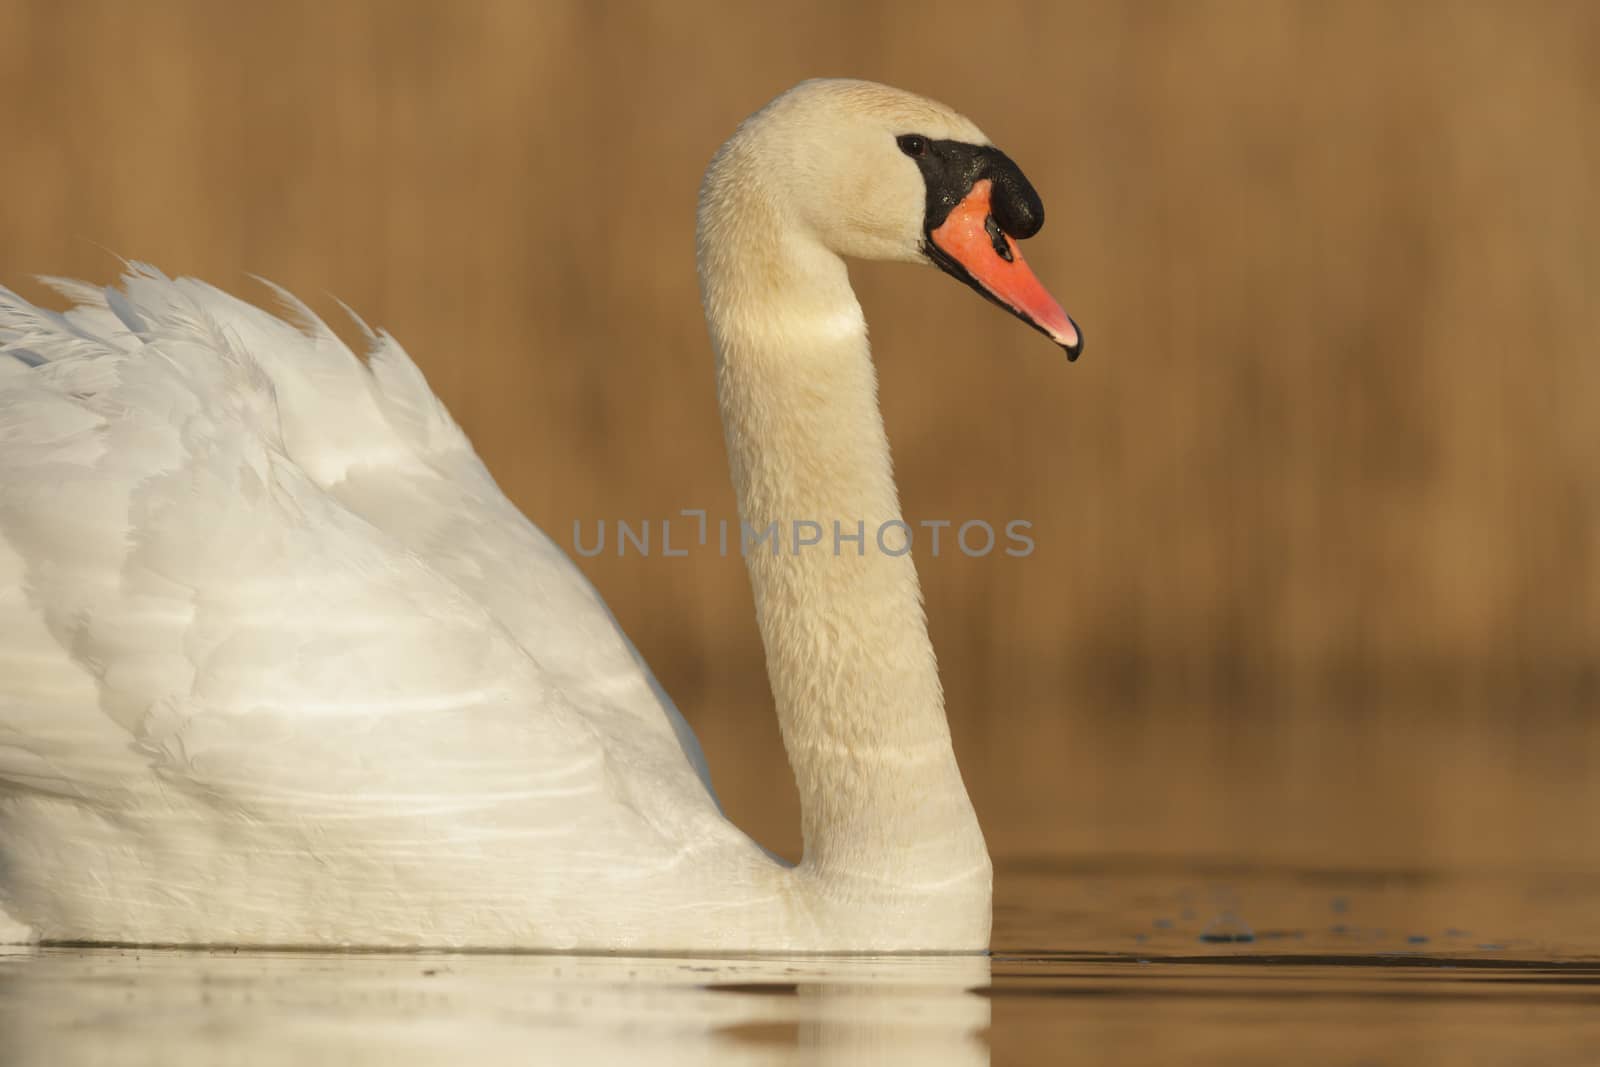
281	665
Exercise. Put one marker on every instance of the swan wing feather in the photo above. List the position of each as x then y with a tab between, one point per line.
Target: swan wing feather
235	563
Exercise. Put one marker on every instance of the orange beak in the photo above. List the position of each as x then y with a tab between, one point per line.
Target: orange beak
971	245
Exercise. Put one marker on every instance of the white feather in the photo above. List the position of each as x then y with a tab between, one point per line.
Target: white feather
238	599
280	664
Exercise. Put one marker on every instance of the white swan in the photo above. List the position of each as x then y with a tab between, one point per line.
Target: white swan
281	665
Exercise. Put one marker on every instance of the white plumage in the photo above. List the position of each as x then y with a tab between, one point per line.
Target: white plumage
280	664
263	604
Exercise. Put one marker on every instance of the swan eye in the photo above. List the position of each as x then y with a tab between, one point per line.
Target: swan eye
913	144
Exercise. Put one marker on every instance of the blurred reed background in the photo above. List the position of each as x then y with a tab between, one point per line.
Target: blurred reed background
1317	515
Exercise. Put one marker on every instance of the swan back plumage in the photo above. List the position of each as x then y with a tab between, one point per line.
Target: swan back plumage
255	583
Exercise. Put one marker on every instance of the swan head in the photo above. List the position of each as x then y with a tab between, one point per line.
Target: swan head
875	172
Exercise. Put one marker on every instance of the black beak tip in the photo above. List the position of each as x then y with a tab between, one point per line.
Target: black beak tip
1075	349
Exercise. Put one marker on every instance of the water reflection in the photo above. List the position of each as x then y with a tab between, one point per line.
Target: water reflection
1096	961
63	1006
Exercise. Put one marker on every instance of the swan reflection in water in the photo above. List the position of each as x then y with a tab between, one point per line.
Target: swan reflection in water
74	1005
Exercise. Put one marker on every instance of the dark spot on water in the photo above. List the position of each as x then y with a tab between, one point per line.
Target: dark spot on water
1227	929
1418	939
1163	924
756	989
771	1034
1339	905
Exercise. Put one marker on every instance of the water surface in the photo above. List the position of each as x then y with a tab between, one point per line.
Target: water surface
1096	961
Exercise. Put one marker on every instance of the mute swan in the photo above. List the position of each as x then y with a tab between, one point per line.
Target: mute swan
281	664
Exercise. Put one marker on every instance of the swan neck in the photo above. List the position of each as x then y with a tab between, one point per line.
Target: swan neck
852	671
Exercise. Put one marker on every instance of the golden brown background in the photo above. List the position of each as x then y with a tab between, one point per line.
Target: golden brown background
1318	512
